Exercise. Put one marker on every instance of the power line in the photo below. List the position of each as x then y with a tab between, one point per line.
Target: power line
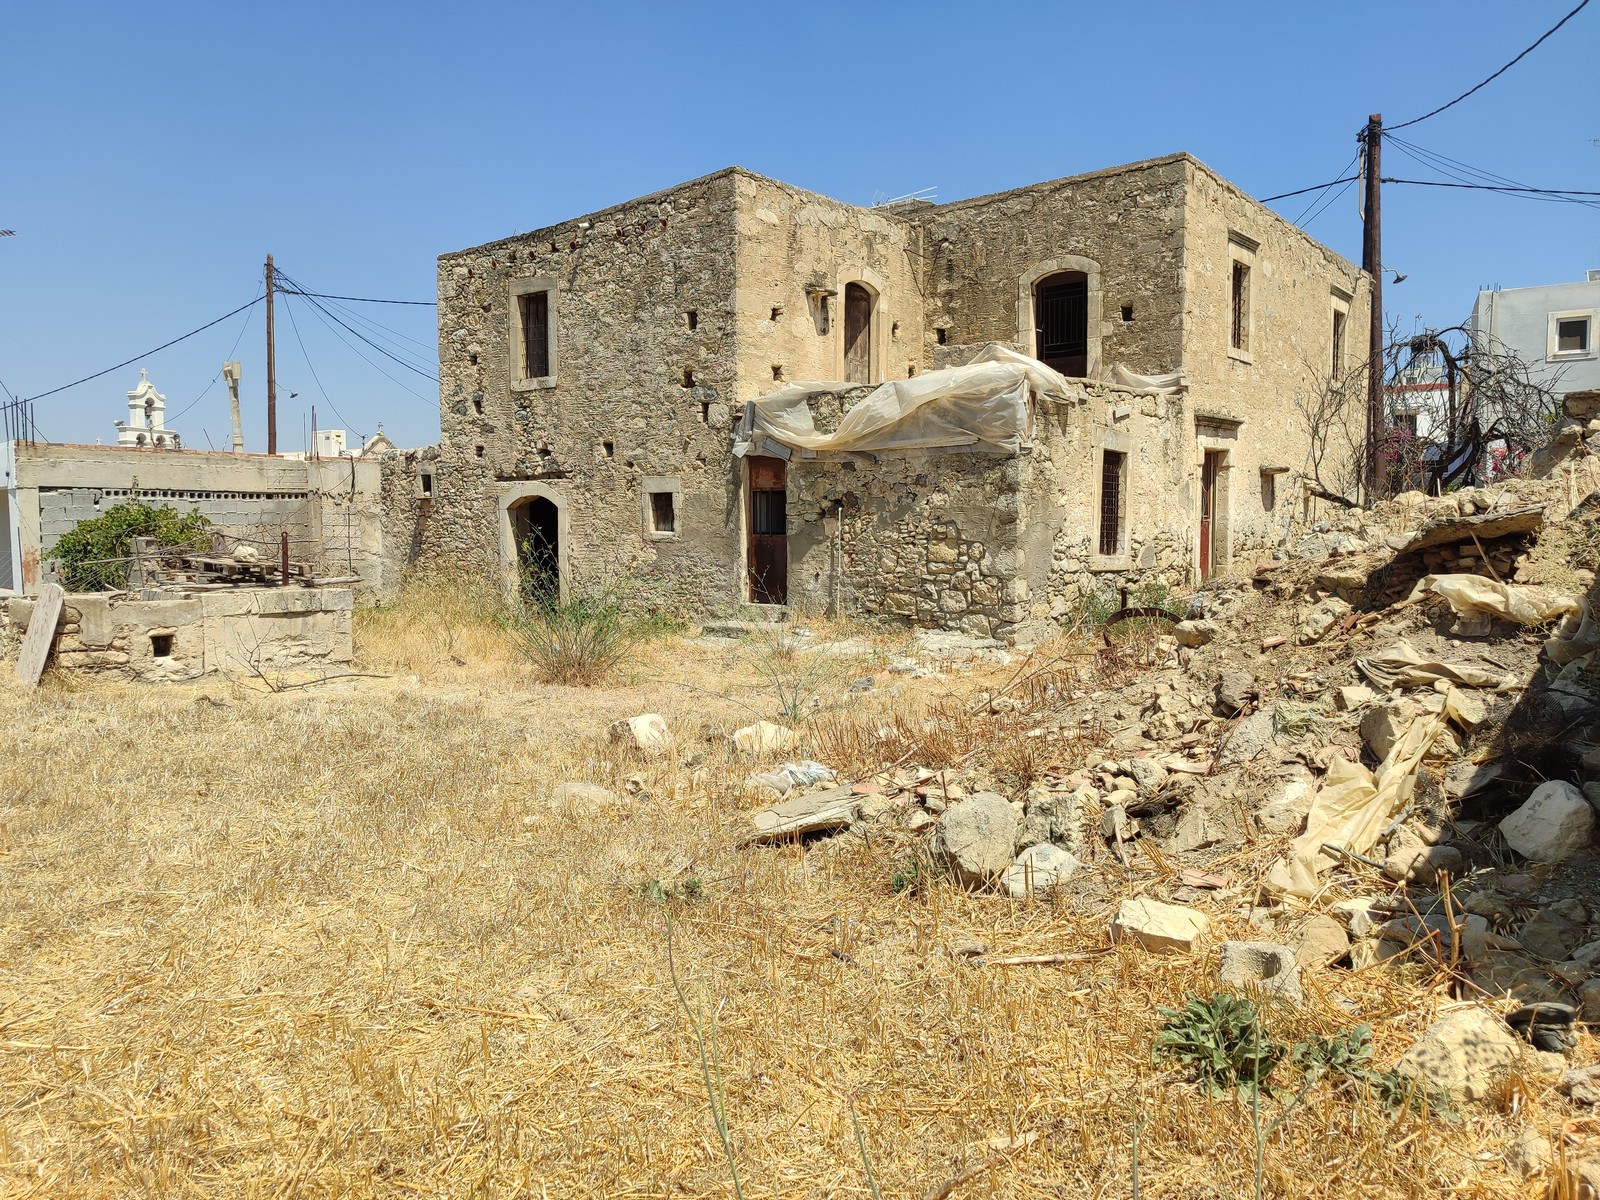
1317	199
295	325
148	353
321	316
389	354
1316	187
366	299
1414	120
1467	173
175	417
1326	205
1495	187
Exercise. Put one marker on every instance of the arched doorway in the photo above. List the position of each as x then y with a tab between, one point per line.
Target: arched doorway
1061	322
857	334
536	534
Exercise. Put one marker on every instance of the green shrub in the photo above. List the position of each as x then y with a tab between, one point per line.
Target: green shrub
582	633
1220	1042
92	556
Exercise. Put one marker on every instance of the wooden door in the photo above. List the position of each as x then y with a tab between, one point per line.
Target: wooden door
1208	509
767	513
857	334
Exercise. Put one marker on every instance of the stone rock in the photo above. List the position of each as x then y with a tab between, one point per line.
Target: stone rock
1038	868
1322	618
1550	936
1194	633
1581	405
1431	935
1411	860
1468	709
976	838
1286	812
1164	928
1463	779
1528	1153
1319	941
1462	1053
1353	697
1555	823
1235	690
583	796
919	820
1360	915
1582	1084
1546	1026
763	738
1384	725
1261	966
1255	734
647	734
1148	775
820	812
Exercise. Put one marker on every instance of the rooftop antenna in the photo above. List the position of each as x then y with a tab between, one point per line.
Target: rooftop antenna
925	195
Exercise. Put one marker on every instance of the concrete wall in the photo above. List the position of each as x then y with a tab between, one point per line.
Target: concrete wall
329	508
1520	318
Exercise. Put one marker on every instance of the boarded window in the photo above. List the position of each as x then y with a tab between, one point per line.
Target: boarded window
1572	335
1240	339
1338	343
663	513
535	313
857	334
1061	318
1113	474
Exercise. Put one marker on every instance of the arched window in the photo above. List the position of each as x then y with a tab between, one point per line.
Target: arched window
857	334
1061	322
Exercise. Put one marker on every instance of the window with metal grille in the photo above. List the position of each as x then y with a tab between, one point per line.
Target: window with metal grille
1241	306
663	513
535	313
1113	469
1061	313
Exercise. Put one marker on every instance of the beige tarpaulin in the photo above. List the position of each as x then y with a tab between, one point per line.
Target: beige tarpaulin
1403	665
1526	604
981	407
1353	807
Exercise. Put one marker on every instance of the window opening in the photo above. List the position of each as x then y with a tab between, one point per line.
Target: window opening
663	513
1338	342
1240	335
535	308
693	316
1269	491
939	336
1572	335
1127	313
688	377
857	334
1113	466
1061	322
161	645
777	370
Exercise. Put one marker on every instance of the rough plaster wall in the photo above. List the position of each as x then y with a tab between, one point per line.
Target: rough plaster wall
1291	300
931	539
406	520
1128	220
624	285
790	239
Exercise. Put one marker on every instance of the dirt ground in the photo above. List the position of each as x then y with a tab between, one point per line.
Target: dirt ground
337	940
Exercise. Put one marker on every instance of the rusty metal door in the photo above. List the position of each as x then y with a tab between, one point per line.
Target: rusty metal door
768	515
1208	509
857	334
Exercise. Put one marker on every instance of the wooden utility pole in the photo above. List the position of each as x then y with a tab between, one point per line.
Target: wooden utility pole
1372	263
272	371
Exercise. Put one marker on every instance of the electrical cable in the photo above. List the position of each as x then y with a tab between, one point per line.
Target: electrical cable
369	362
295	325
1300	220
1494	187
1466	173
1316	187
148	353
1326	205
1414	120
389	354
298	291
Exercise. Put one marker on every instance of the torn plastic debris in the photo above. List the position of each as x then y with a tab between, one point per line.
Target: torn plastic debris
1353	807
1473	596
1402	665
786	778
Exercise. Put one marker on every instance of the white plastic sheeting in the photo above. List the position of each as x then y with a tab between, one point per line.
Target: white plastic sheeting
983	407
1576	637
1165	384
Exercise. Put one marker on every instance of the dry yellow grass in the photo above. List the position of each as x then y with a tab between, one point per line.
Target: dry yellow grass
337	942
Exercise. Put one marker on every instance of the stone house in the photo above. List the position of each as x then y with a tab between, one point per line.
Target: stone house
600	382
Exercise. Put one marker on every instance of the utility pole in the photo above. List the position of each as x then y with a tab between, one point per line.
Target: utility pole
272	371
1372	264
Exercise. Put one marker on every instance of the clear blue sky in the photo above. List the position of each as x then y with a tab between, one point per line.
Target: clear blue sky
156	152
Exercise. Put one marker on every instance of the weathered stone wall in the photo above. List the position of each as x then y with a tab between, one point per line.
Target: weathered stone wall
791	241
1294	286
637	395
926	538
984	254
239	631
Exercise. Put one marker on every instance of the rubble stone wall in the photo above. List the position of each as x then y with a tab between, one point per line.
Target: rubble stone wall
636	394
930	539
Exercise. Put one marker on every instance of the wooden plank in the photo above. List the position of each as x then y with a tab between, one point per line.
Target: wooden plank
41	633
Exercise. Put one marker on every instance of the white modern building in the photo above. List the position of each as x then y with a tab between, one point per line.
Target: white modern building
1552	328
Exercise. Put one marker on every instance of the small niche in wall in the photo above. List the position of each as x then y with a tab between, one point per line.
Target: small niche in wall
424	485
688	377
777	311
777	370
693	317
472	359
1127	313
705	412
161	645
941	335
479	451
608	448
894	330
477	405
